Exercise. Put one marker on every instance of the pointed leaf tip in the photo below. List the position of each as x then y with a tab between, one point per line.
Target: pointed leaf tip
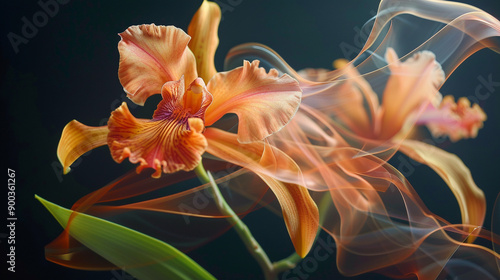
142	256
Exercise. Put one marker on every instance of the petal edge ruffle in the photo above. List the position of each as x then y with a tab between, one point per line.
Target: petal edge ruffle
264	102
152	55
166	145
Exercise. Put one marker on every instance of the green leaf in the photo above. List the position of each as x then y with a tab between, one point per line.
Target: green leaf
142	256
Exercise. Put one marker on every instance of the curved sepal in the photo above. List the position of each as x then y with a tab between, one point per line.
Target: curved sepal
77	139
264	102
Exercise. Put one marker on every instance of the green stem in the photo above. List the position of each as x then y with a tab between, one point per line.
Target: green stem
286	264
201	173
241	229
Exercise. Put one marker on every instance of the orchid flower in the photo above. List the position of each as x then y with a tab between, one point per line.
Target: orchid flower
410	97
164	59
350	124
421	103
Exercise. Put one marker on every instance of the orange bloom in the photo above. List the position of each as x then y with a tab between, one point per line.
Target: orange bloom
411	97
164	59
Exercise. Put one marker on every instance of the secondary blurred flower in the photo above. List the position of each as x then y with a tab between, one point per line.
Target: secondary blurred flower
157	59
410	97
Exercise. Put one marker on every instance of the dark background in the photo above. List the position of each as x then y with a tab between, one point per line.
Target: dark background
68	70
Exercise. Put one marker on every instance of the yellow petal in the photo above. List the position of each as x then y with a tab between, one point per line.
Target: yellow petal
264	102
456	175
203	31
299	210
152	55
166	145
77	139
300	214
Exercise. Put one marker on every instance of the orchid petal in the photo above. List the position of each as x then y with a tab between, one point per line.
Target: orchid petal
456	120
264	102
152	55
77	139
456	175
412	83
203	31
301	219
168	144
355	91
191	103
300	213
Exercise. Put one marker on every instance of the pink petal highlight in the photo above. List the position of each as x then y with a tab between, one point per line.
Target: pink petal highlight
263	101
151	55
456	120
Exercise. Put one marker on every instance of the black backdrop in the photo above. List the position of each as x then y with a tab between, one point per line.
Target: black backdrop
68	70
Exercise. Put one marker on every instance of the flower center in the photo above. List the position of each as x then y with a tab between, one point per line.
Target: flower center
182	104
193	96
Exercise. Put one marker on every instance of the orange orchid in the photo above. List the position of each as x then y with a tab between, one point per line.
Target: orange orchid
164	59
410	97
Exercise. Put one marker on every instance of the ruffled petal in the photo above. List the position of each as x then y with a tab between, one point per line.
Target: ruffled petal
263	101
299	210
456	175
204	42
77	139
151	55
412	84
455	120
166	145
